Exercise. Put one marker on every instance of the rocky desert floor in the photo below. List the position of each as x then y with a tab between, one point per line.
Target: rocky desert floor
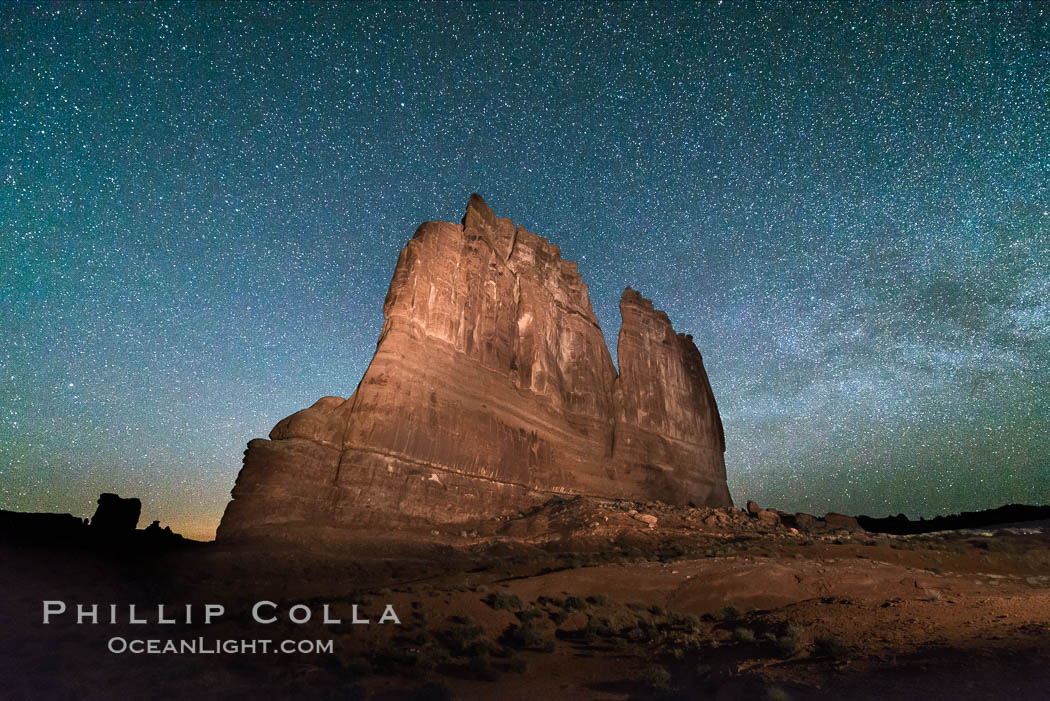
582	599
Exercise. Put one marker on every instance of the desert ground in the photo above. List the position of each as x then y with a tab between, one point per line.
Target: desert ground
580	599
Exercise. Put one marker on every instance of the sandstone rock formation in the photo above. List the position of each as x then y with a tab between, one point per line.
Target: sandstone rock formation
491	389
115	514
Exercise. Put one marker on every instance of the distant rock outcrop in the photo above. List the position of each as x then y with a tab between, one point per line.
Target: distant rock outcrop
113	527
116	515
491	389
989	518
37	527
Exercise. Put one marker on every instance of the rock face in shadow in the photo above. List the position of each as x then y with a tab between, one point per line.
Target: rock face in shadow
115	514
490	390
1008	514
112	528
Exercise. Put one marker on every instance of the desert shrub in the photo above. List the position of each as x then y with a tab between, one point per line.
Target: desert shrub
775	693
656	678
483	646
559	617
727	614
459	637
828	645
686	620
522	636
598	600
744	635
600	627
671	553
502	601
481	667
433	657
1003	545
786	645
638	606
527	615
433	691
573	603
639	634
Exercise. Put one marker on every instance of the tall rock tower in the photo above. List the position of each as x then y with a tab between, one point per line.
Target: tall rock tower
491	389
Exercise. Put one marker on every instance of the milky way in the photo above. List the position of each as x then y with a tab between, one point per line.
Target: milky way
847	206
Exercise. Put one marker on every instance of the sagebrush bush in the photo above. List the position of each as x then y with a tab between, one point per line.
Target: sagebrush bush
828	645
522	636
459	637
744	635
775	693
501	601
727	613
656	678
787	642
481	667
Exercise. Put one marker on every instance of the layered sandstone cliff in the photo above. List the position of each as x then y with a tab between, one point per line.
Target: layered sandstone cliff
490	390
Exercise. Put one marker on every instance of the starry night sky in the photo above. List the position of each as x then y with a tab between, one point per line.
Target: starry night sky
848	206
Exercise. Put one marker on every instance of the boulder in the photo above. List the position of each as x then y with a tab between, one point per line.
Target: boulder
768	517
647	519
